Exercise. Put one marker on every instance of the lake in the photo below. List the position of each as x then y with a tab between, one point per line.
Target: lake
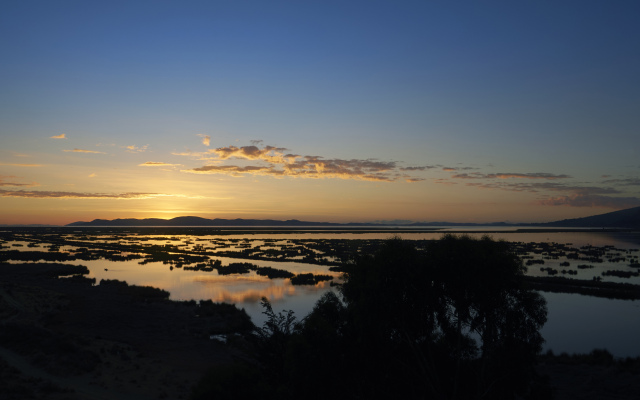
576	323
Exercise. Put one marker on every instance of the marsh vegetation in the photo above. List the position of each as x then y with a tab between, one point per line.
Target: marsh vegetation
338	322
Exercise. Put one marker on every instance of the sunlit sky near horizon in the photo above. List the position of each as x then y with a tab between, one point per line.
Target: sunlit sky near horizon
341	111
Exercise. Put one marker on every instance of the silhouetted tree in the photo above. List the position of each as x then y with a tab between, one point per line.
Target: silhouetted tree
451	321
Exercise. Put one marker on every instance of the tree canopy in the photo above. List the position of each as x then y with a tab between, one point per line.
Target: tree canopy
452	320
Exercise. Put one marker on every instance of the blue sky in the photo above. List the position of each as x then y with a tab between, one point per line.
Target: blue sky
521	111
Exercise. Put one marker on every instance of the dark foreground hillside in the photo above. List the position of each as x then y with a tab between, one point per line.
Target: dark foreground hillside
385	336
66	339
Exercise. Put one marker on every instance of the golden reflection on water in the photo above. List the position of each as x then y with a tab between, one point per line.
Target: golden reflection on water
272	293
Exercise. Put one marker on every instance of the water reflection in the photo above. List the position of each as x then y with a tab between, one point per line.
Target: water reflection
576	323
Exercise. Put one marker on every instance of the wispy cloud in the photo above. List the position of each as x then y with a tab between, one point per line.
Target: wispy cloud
422	168
585	200
450	169
206	139
38	194
575	195
15	184
157	164
136	149
624	182
544	186
511	175
234	170
84	151
21	165
93	175
61	136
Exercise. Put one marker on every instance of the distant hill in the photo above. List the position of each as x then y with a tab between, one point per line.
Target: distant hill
27	226
197	221
629	218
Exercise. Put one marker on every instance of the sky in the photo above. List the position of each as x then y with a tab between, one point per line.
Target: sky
340	111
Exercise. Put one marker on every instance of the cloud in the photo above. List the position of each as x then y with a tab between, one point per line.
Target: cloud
278	162
93	175
445	182
16	184
206	139
268	153
21	165
157	164
423	168
84	151
256	142
136	149
624	182
233	170
572	195
508	175
584	200
545	186
458	168
37	194
61	136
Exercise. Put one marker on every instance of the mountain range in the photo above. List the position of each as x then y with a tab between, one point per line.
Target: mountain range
629	218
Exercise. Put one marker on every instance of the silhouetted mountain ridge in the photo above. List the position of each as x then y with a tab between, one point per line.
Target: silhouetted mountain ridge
629	218
199	221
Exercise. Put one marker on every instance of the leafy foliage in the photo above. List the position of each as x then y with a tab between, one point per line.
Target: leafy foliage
452	322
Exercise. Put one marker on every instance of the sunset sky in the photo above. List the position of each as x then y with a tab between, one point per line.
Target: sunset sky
462	111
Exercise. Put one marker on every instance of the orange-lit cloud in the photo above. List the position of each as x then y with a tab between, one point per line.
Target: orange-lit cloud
14	184
233	170
37	194
281	164
21	165
136	149
206	139
61	136
268	153
84	151
157	164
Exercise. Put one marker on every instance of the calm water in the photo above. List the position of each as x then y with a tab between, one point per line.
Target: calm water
576	323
